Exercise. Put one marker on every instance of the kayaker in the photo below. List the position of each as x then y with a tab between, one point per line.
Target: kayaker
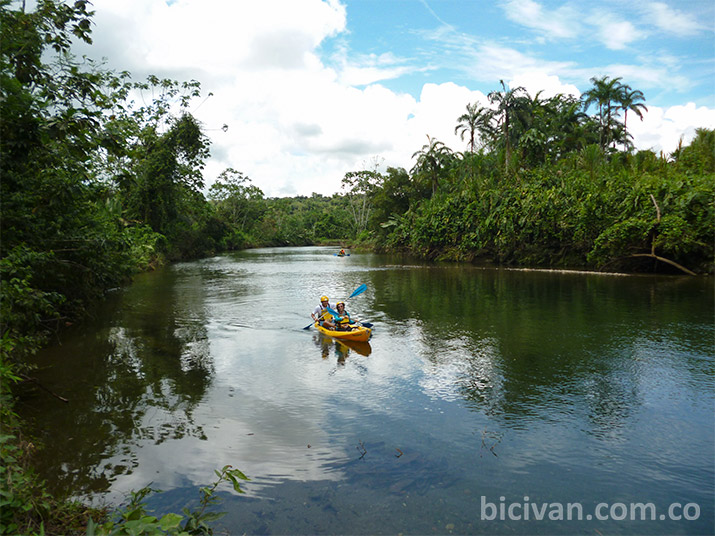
320	313
343	320
342	252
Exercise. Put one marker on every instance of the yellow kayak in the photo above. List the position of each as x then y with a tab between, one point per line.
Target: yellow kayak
358	333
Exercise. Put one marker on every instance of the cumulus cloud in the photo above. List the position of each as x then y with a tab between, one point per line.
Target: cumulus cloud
303	109
663	128
217	36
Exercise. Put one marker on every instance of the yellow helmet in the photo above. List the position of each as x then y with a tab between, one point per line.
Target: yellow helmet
339	303
324	298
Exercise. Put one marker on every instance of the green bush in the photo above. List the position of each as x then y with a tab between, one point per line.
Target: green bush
134	519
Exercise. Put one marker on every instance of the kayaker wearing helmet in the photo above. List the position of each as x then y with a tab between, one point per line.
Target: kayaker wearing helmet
343	320
320	313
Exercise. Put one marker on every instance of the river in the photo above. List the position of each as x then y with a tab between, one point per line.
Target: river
487	401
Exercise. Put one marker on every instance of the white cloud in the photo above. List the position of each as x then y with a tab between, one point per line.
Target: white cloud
371	68
305	139
671	20
299	119
662	128
436	114
549	85
219	36
554	24
492	62
614	33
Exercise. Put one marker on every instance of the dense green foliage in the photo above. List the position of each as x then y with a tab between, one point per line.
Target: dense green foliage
548	187
91	189
583	211
95	188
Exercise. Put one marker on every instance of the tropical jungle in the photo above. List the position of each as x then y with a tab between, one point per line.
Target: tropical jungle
96	188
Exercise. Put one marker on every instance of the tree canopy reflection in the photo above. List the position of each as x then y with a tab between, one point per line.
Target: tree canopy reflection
155	370
520	344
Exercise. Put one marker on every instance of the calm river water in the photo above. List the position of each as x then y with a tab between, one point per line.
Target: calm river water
487	401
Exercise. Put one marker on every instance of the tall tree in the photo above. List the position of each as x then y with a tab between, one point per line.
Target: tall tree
56	229
700	154
360	186
239	202
508	102
606	93
571	127
631	99
393	196
431	160
476	119
167	172
157	154
49	116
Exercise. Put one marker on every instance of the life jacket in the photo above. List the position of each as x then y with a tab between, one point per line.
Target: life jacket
324	315
343	320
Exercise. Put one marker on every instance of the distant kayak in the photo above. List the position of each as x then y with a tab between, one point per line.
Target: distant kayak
341	254
358	333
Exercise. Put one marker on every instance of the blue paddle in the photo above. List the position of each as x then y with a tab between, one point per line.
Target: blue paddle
362	288
313	322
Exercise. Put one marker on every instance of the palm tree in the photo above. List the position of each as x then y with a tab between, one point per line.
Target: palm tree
534	129
507	101
568	125
630	100
619	136
475	120
604	92
433	156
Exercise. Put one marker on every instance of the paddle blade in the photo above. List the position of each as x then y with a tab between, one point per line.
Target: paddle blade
308	326
362	288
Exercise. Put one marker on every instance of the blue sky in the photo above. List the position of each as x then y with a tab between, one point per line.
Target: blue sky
312	89
665	49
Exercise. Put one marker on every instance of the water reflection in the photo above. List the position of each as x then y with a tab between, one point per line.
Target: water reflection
475	382
137	381
340	348
525	347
